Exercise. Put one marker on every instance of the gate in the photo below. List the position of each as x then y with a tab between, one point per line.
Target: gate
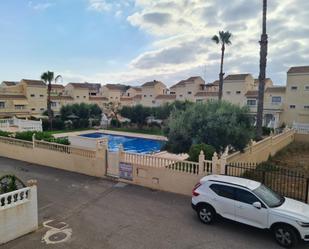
289	183
112	163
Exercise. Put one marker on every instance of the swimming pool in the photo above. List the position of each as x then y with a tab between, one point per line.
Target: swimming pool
130	144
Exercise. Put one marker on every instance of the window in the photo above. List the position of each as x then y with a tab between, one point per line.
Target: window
84	97
189	92
111	97
145	96
42	109
77	97
228	92
293	88
223	191
150	95
251	102
32	109
180	95
32	95
275	100
271	198
2	105
305	106
153	102
41	95
53	104
116	98
245	196
238	92
292	106
172	92
307	88
19	107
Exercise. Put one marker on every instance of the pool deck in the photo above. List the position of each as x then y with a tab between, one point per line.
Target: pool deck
118	133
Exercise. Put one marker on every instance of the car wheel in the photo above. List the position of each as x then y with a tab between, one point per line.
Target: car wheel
286	236
206	213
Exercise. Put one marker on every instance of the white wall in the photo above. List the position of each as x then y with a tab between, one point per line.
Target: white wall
19	218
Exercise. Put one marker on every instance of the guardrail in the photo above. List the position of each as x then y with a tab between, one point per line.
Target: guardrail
14	198
64	149
301	128
14	141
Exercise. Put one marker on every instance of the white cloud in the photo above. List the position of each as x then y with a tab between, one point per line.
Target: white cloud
40	6
99	5
182	31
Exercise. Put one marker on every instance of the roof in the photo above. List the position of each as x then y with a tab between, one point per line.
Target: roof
166	96
187	81
86	85
118	87
10	83
136	88
12	96
237	76
216	82
57	86
33	82
250	184
206	94
275	89
152	83
253	93
302	69
98	98
62	97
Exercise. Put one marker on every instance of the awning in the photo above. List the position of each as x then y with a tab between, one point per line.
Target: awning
20	102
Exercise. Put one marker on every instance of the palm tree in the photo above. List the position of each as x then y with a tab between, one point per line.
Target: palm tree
48	77
223	39
262	75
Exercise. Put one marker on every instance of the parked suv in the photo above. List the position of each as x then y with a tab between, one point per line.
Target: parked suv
251	203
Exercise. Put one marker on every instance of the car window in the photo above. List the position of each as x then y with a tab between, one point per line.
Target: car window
223	190
245	196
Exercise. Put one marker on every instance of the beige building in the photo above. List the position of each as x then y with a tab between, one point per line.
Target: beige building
186	89
163	99
296	104
113	92
150	90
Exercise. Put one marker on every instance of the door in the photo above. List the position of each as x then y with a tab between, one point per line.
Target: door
246	213
112	163
223	200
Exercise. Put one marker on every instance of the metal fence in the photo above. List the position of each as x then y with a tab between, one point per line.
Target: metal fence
289	183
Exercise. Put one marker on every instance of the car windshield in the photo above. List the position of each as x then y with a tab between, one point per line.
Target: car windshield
271	198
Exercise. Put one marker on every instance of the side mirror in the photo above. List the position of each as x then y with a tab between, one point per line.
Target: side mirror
257	205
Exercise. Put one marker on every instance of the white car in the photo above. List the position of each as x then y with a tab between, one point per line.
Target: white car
251	203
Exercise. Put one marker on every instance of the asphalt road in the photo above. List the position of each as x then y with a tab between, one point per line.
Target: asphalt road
103	214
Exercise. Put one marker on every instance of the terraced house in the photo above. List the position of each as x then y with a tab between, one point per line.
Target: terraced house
282	104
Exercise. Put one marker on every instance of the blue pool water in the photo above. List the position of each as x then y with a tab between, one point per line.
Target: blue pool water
130	144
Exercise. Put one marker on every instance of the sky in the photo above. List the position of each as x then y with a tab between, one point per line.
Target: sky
133	41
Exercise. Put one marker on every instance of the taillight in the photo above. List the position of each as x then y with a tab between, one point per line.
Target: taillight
194	193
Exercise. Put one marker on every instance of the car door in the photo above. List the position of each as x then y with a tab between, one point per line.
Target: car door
223	200
246	213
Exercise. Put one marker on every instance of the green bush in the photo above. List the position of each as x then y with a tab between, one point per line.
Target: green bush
45	136
266	131
216	123
5	134
115	123
195	150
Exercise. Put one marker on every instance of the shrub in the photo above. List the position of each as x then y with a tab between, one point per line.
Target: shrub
195	150
5	134
217	123
45	136
266	130
115	123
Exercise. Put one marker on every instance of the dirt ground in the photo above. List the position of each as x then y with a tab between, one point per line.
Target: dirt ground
294	156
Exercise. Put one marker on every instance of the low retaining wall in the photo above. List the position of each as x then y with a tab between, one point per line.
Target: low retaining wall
260	151
88	162
18	213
